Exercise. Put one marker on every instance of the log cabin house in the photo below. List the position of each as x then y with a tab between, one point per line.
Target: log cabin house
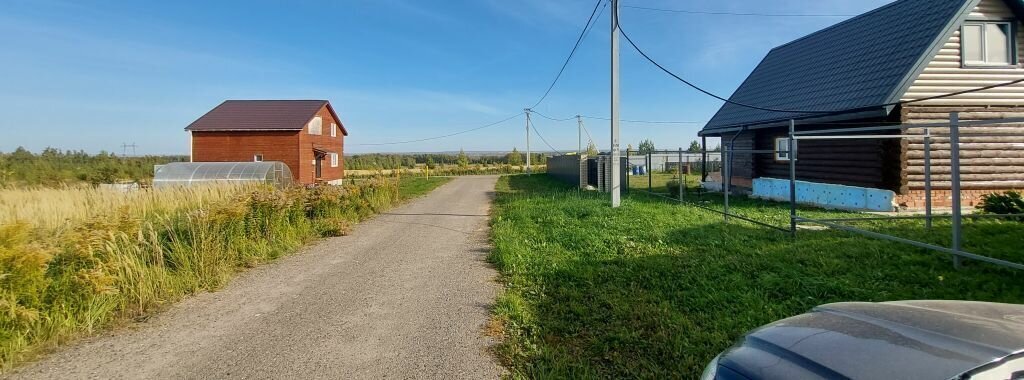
306	135
906	50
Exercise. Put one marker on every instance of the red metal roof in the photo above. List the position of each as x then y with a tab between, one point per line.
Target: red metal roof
261	115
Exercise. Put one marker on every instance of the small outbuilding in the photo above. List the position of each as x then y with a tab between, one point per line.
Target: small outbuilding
306	135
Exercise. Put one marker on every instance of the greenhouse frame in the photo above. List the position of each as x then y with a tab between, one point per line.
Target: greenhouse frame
196	173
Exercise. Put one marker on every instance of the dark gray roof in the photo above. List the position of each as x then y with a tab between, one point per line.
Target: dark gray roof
261	115
864	61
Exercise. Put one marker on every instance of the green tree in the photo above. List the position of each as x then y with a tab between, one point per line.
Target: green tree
591	150
694	147
515	158
463	159
646	146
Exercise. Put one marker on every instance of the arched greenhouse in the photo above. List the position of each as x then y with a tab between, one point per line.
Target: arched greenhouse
194	173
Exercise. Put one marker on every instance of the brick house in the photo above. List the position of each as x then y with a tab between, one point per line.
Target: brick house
306	135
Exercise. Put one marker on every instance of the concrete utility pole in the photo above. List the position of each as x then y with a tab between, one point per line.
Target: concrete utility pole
579	135
529	169
615	180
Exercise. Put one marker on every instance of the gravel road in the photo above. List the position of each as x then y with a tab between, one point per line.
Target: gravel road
406	295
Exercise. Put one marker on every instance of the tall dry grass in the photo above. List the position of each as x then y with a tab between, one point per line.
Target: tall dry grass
50	207
74	260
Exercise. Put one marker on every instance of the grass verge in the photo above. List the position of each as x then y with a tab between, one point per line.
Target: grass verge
655	289
102	258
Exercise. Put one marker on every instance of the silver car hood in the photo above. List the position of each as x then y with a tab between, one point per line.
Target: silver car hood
889	340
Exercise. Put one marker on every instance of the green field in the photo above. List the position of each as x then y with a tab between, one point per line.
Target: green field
412	187
655	289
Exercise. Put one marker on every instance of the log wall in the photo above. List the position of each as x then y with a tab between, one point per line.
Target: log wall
987	162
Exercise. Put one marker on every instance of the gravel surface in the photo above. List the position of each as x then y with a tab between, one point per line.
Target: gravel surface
406	295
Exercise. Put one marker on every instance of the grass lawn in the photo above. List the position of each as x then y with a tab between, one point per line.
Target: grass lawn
657	180
412	187
655	289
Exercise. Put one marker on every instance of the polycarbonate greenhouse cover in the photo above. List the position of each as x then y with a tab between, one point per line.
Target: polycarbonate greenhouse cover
191	173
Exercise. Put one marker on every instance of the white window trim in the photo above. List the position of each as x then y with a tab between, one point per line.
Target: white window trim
334	160
1011	41
334	130
316	126
780	154
258	157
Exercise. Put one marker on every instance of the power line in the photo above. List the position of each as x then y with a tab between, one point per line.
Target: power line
739	13
645	121
444	136
552	118
818	112
589	137
579	40
694	86
534	127
622	120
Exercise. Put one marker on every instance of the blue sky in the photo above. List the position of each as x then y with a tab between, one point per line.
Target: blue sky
92	75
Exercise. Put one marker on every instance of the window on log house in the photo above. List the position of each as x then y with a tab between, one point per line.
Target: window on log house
987	44
782	149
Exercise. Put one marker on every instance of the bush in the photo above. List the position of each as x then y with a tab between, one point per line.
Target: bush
673	187
1009	202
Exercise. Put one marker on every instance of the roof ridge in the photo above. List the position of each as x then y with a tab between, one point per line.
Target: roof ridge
275	100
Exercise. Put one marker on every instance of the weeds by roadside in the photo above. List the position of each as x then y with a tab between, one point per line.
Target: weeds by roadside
94	260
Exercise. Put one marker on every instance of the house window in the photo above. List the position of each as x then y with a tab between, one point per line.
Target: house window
987	44
334	130
316	126
334	160
782	149
257	157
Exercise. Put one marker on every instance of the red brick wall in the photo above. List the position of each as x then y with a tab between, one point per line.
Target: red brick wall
307	141
235	146
914	199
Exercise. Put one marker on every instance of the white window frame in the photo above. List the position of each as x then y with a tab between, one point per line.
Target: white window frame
258	157
1011	45
782	153
334	160
334	130
316	126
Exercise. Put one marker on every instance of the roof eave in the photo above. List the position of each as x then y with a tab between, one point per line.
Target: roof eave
777	123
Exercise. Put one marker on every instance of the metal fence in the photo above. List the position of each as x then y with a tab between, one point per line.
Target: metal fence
952	131
919	132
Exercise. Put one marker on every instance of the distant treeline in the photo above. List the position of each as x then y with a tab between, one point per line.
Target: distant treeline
372	161
53	167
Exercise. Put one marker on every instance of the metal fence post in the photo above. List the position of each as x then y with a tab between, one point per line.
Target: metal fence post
650	173
629	168
792	177
727	177
703	158
954	168
679	169
686	185
928	178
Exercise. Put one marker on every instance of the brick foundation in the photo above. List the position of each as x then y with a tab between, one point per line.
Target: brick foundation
914	199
